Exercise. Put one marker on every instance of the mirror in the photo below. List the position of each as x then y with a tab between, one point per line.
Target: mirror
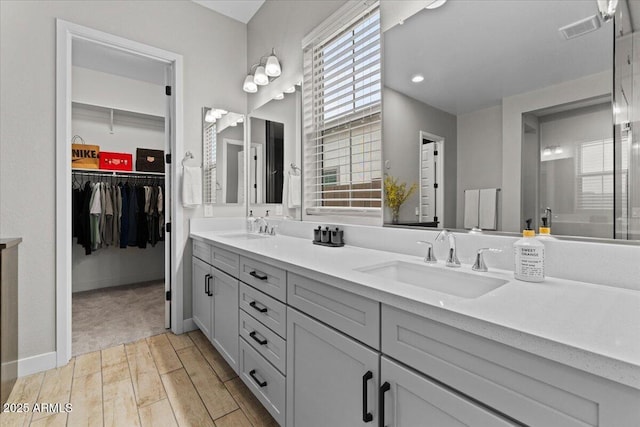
275	182
496	115
223	156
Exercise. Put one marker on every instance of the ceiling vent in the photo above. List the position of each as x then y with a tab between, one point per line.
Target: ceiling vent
581	27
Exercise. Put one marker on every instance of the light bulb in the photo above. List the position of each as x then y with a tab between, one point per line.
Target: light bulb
241	119
290	90
547	151
436	4
272	67
260	78
279	96
417	78
249	86
558	150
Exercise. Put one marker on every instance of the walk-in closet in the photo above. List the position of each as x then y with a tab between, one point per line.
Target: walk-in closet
119	197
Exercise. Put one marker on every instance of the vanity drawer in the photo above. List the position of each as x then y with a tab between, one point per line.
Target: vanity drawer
267	310
264	381
528	388
202	251
349	313
268	279
225	260
264	341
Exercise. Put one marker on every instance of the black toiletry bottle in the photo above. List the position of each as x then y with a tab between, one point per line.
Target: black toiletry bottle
337	237
326	236
317	232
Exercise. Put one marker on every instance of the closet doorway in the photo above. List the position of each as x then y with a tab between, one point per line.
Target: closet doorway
116	252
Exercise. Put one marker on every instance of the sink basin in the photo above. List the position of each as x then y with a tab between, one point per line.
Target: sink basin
448	281
245	236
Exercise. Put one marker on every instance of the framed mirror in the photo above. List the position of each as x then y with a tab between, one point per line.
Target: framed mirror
223	156
501	111
275	174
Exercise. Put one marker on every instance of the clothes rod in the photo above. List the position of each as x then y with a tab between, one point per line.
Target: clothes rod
94	172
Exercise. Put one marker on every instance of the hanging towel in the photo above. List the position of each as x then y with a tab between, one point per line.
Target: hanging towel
471	203
192	186
488	209
294	191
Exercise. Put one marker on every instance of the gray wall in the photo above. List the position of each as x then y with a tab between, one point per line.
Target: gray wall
212	76
479	154
403	118
282	25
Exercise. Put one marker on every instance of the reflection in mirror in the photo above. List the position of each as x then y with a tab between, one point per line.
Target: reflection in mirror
223	156
274	173
511	80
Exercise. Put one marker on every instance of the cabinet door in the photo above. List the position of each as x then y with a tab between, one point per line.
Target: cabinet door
201	282
331	379
224	328
409	399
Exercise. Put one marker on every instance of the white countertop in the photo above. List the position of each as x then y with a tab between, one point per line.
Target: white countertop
589	327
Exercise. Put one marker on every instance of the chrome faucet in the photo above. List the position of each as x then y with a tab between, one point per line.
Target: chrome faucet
261	225
480	265
452	258
430	257
547	214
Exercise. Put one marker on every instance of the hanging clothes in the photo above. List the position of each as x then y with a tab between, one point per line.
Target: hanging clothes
124	219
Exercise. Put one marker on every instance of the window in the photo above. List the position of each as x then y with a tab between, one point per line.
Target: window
595	174
342	118
209	136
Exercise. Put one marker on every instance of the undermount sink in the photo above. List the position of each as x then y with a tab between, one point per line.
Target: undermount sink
448	281
246	236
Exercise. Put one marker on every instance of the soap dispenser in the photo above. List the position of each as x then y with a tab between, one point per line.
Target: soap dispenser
251	223
545	230
529	256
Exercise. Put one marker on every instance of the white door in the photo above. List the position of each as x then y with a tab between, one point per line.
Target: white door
428	184
331	379
168	130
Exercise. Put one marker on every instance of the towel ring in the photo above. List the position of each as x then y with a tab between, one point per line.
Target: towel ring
187	156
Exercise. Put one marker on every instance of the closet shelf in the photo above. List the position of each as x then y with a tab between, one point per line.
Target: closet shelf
106	108
115	173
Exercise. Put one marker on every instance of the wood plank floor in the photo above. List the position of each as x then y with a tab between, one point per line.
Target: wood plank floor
164	380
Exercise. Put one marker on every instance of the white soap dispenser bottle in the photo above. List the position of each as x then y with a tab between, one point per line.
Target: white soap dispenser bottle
251	223
529	257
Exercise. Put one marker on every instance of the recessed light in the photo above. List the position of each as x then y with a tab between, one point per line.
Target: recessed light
436	4
417	78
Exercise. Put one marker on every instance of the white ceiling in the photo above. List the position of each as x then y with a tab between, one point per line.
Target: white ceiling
106	59
240	10
474	53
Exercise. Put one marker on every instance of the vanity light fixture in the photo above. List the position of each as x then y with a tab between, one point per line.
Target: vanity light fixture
260	77
436	4
558	150
279	96
249	86
240	120
607	9
209	117
546	151
272	66
417	78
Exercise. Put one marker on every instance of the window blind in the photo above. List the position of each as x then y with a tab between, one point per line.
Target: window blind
210	164
342	118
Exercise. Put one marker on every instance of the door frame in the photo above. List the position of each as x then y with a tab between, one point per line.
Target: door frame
439	141
225	158
65	33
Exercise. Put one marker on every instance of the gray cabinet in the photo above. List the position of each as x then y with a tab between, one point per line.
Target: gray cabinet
224	323
200	284
409	399
331	379
215	308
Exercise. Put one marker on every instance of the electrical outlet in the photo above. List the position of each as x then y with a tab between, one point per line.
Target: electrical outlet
208	210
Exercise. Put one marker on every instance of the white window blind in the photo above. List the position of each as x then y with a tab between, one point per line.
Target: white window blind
595	174
210	164
342	118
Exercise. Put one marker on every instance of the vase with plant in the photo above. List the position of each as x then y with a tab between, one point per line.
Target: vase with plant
395	194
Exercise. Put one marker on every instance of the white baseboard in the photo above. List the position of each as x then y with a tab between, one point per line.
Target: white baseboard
188	325
38	363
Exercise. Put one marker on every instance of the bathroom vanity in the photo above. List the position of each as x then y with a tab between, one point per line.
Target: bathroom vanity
341	336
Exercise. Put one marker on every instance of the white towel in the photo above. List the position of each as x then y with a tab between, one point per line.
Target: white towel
294	197
488	209
471	203
191	186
